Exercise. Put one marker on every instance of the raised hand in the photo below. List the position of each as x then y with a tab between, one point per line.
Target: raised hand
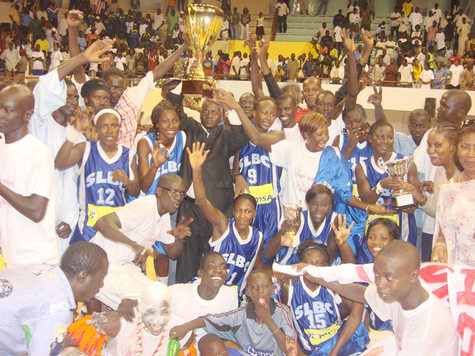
377	97
95	52
74	18
159	154
83	119
182	229
367	38
196	156
224	99
341	232
348	40
119	175
263	47
240	186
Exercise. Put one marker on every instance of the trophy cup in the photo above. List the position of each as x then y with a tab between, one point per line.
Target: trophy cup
398	169
202	28
292	214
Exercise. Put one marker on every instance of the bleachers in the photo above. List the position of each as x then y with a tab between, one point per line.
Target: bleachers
303	27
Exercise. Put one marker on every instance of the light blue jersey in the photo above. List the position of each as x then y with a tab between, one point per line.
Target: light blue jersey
361	152
318	320
99	195
240	254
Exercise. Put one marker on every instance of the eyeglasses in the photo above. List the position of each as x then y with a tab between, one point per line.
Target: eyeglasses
210	112
466	123
174	192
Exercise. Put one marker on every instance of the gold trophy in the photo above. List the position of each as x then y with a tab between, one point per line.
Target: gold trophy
291	214
202	28
398	169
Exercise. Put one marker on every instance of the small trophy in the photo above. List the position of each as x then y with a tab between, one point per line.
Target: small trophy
398	169
202	28
292	214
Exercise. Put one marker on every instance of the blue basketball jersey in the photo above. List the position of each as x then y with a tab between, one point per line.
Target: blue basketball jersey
288	255
364	257
240	255
172	164
99	195
406	222
333	171
360	152
263	179
318	320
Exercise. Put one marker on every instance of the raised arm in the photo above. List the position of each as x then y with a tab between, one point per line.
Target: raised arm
274	89
352	291
264	140
350	48
92	54
368	40
256	78
70	153
74	19
376	99
165	66
217	219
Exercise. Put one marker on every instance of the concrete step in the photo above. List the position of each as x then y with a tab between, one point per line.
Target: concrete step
292	38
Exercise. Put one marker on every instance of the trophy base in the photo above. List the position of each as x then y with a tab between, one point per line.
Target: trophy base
197	87
403	201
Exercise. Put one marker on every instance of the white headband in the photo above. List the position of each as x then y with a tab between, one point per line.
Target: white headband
107	111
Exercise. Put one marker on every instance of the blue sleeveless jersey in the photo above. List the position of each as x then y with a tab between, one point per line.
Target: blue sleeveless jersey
172	164
288	255
99	195
263	179
406	222
317	315
363	257
333	171
240	255
359	153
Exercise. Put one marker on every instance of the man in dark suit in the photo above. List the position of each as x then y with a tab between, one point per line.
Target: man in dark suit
223	137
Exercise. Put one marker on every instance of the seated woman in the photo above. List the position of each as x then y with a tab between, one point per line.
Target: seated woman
456	207
320	313
143	330
260	328
314	225
107	170
238	242
381	231
374	184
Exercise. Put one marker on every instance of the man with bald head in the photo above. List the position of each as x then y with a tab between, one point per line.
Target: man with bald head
27	230
422	323
454	106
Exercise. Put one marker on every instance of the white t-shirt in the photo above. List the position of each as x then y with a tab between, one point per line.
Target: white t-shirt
120	62
395	16
354	18
415	19
440	40
426	330
157	21
337	72
456	74
337	31
56	58
188	305
27	168
406	73
300	168
37	64
426	76
336	128
140	222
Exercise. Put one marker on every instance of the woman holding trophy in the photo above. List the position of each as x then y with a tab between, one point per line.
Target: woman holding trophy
379	179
